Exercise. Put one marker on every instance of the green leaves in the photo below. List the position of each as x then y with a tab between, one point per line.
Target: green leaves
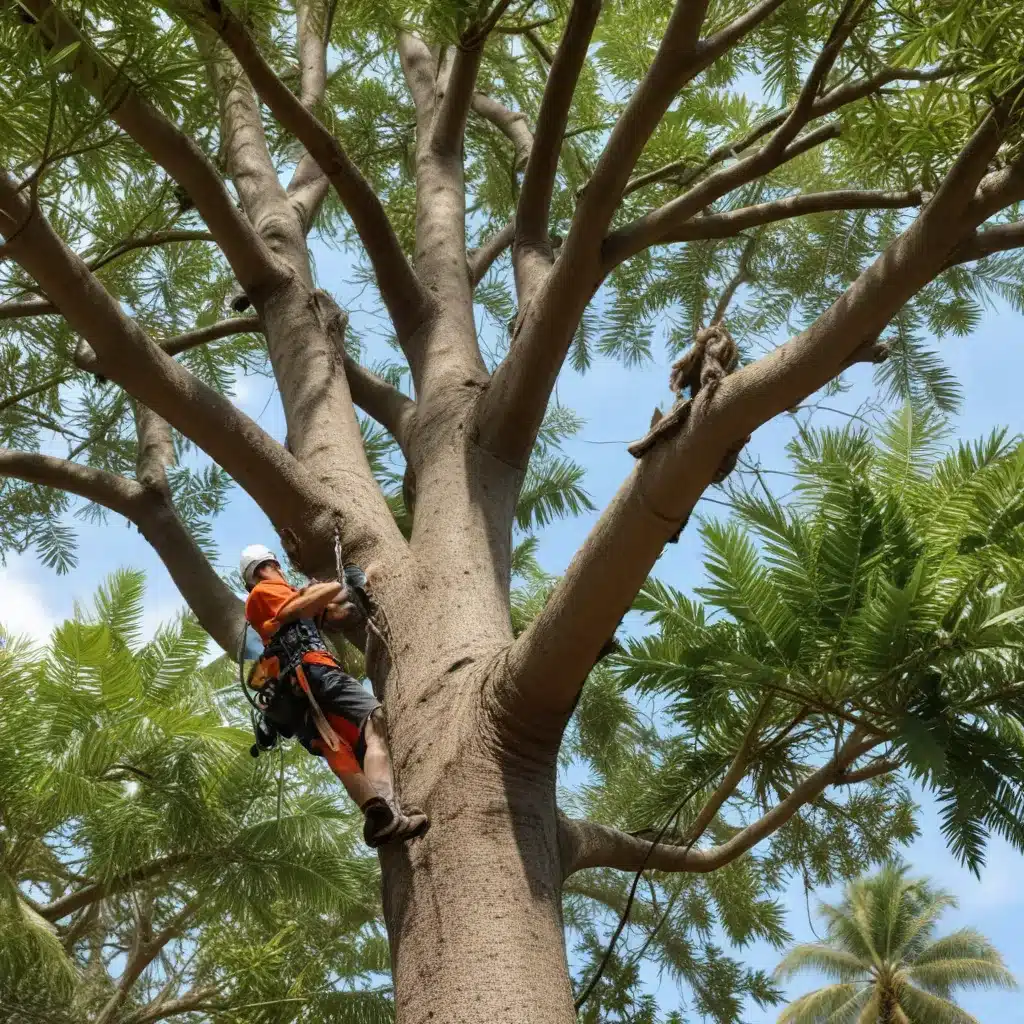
881	950
118	767
876	595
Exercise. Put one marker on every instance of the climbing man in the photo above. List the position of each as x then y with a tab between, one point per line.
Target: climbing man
304	693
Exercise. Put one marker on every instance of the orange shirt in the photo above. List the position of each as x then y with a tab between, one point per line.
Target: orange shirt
265	600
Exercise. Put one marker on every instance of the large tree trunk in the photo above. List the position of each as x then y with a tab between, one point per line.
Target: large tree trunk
473	910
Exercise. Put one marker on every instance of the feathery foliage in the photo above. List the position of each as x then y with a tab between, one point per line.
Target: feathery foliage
137	835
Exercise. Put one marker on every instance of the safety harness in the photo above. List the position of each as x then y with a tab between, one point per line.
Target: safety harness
282	660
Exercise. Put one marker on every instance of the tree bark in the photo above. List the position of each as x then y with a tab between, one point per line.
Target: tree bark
474	912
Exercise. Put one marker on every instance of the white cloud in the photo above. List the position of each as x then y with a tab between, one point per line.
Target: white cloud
24	606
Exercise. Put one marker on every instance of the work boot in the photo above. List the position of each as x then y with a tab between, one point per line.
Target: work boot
385	823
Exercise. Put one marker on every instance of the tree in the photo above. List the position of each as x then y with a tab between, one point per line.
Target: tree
146	151
882	951
149	869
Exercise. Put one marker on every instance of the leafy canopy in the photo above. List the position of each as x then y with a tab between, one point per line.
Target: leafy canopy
109	201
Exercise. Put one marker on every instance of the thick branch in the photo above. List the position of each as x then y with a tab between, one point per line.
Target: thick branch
985	243
309	185
127	356
453	103
403	294
419	70
592	845
531	253
247	153
155	450
680	58
114	492
513	408
312	35
511	123
211	600
374	395
250	259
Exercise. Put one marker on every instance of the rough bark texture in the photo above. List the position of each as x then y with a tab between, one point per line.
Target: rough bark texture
475	717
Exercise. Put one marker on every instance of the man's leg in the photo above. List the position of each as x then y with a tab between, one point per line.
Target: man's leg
348	705
345	766
377	759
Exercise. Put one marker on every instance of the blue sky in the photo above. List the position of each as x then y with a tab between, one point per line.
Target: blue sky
616	405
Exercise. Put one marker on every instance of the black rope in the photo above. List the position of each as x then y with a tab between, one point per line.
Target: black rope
624	918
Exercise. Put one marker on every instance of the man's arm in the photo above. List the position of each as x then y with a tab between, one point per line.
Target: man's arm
309	602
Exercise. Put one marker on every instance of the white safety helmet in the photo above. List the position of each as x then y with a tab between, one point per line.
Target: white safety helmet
252	558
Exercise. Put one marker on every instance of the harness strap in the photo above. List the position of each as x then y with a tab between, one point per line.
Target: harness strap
330	737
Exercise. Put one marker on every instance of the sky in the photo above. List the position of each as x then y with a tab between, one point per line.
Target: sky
616	405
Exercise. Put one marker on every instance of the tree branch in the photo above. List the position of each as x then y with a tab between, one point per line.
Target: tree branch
247	153
250	259
668	221
418	68
531	253
512	124
510	413
309	185
985	243
197	999
732	778
849	15
593	845
741	276
179	343
127	356
117	493
598	586
219	612
680	58
405	298
155	450
480	260
312	34
374	395
90	894
452	100
838	97
732	222
38	307
36	389
142	955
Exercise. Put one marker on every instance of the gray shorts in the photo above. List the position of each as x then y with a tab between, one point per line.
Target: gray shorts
339	696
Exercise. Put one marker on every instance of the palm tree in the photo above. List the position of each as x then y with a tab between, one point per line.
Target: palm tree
888	966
